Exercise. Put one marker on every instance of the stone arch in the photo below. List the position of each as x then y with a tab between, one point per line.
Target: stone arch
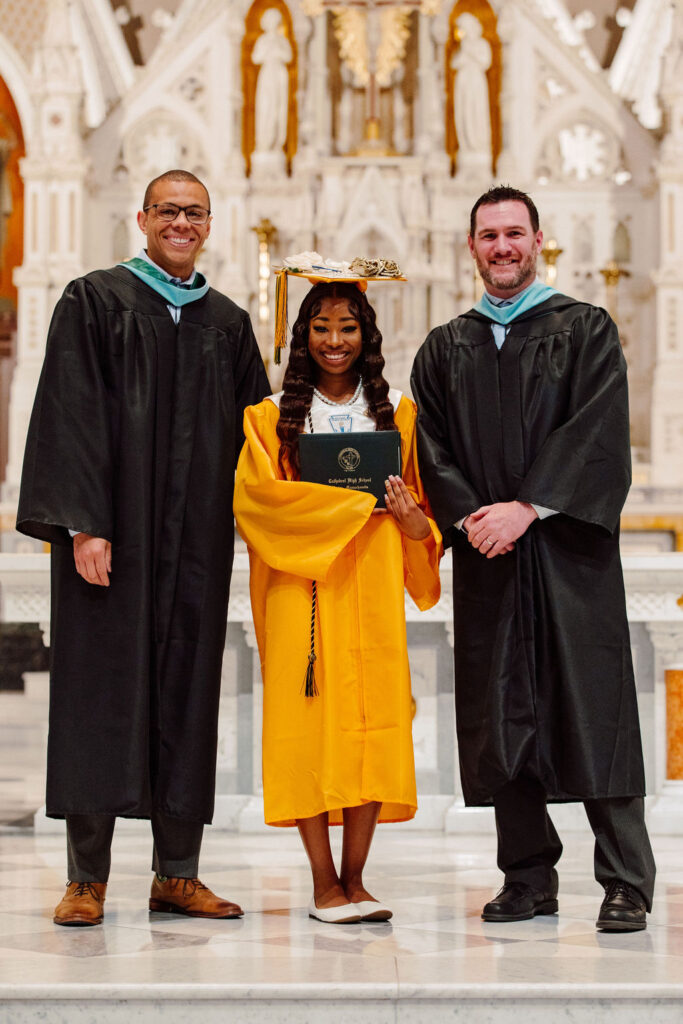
12	150
621	243
16	77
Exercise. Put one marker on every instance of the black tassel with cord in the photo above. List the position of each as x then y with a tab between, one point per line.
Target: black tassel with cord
311	690
309	685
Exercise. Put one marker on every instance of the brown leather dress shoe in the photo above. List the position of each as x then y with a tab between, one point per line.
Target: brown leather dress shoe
83	904
189	896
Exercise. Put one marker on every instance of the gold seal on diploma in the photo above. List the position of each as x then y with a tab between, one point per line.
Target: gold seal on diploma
349	459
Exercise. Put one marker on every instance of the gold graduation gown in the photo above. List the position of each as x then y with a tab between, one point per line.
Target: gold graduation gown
352	743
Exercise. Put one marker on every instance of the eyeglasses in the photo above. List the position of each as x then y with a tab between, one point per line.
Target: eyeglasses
169	212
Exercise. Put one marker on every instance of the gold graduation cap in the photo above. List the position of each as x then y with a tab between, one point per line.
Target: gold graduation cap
312	267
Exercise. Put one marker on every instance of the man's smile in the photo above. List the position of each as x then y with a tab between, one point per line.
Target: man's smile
178	240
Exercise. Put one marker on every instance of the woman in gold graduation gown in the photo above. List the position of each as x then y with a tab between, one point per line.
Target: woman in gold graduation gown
345	754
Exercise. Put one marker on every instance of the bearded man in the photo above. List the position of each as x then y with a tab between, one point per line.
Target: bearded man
523	439
128	473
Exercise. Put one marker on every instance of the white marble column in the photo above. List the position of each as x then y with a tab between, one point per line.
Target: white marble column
251	815
318	100
428	108
506	167
667	391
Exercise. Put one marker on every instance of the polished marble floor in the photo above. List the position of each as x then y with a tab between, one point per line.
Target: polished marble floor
435	961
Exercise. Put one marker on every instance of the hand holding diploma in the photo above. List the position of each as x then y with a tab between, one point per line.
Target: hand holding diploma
410	518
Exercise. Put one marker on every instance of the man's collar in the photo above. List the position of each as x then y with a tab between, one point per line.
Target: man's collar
498	301
176	280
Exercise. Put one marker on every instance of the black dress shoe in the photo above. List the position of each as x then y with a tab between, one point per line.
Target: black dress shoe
623	909
517	901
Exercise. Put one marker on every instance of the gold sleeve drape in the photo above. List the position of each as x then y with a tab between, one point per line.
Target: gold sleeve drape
353	742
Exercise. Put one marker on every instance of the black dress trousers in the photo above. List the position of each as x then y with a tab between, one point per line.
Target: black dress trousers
529	846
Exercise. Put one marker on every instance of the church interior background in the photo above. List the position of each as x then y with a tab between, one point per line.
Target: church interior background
358	128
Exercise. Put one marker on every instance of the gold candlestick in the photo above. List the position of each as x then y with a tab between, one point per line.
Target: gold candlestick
265	231
550	253
612	274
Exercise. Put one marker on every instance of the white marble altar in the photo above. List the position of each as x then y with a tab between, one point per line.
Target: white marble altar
654	584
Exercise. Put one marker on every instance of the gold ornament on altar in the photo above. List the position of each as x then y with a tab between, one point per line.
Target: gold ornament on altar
351	31
550	253
372	36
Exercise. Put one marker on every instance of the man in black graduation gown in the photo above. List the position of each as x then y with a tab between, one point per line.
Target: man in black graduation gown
523	439
128	473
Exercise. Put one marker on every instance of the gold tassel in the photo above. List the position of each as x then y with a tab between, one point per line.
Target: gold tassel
280	315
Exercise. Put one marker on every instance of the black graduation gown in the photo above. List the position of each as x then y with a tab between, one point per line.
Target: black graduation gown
543	675
134	437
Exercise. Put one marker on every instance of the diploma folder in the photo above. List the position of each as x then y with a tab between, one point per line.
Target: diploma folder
360	461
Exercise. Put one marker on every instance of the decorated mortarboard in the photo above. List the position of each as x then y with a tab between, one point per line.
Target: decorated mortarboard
317	270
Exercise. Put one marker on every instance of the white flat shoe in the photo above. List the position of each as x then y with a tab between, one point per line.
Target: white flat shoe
371	910
347	913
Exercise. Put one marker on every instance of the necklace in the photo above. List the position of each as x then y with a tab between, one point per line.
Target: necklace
329	401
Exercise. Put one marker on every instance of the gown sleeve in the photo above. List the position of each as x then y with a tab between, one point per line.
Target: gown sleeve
294	526
420	557
251	380
450	494
584	467
67	473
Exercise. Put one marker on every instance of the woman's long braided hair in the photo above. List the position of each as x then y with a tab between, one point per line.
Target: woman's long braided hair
301	374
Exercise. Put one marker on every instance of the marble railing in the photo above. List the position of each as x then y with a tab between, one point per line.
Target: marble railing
654	585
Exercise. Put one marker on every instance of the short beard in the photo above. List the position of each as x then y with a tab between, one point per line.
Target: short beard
525	272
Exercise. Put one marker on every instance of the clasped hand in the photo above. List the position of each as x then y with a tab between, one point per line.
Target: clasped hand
493	529
92	556
400	503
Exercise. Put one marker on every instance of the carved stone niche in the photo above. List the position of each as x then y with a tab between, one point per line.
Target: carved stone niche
160	141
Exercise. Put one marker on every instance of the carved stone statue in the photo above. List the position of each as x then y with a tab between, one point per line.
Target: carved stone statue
272	52
472	115
345	113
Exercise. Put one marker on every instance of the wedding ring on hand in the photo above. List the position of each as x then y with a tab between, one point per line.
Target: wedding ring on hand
489	541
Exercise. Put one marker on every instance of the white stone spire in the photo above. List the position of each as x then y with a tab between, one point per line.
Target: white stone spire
54	172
